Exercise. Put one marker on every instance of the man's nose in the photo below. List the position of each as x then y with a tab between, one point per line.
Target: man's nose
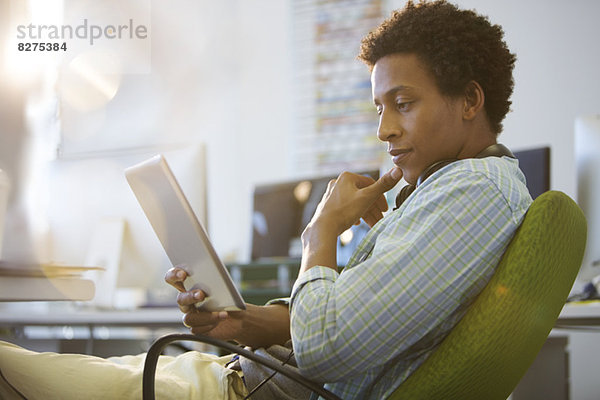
389	127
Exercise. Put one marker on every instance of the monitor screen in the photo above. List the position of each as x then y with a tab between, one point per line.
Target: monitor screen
282	211
535	164
91	192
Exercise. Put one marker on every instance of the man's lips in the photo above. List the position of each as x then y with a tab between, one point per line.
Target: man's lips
398	155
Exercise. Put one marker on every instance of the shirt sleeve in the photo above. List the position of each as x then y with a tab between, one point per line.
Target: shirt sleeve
430	259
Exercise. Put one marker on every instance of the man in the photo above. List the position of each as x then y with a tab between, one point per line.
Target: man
441	80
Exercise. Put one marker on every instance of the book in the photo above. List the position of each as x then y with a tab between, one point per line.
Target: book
44	282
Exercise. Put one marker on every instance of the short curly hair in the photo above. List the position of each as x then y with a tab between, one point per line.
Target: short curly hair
458	46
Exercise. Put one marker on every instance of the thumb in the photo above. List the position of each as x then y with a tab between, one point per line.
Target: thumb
388	180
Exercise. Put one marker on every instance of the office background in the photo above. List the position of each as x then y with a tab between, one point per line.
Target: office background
223	74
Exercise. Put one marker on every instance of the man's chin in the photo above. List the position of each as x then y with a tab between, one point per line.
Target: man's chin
409	177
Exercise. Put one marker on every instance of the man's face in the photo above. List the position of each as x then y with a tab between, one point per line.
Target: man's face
419	124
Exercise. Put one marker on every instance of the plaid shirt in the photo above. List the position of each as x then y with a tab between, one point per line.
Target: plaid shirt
364	331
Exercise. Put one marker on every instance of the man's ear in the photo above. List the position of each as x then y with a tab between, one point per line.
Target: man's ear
474	100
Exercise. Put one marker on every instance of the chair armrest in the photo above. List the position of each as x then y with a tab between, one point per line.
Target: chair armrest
157	347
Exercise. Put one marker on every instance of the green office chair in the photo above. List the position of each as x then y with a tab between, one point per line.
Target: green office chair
490	349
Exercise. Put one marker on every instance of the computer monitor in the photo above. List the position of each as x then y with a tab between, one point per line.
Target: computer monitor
535	164
282	211
587	159
88	191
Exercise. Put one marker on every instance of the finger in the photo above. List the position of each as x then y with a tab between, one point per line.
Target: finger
199	327
202	322
330	186
200	330
360	181
187	308
386	181
183	320
381	203
372	216
175	274
187	300
369	220
175	277
191	297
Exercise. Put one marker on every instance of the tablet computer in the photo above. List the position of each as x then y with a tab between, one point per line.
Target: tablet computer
181	234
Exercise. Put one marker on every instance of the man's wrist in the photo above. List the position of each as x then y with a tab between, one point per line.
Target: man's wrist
318	231
319	243
256	319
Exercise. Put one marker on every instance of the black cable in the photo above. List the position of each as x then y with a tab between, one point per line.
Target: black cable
11	386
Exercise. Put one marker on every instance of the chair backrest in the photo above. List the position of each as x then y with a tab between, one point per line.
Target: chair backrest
490	349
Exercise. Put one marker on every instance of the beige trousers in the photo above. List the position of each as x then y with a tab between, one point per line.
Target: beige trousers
192	375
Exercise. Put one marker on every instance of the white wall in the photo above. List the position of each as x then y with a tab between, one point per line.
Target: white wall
238	102
220	76
556	74
235	87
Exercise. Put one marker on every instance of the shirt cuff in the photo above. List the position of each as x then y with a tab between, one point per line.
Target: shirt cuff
282	300
317	273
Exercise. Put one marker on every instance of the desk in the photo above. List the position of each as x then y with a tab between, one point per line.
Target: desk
575	315
143	317
157	321
580	322
91	329
565	367
572	315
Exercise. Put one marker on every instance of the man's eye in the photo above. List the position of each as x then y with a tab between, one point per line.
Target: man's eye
379	109
403	105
